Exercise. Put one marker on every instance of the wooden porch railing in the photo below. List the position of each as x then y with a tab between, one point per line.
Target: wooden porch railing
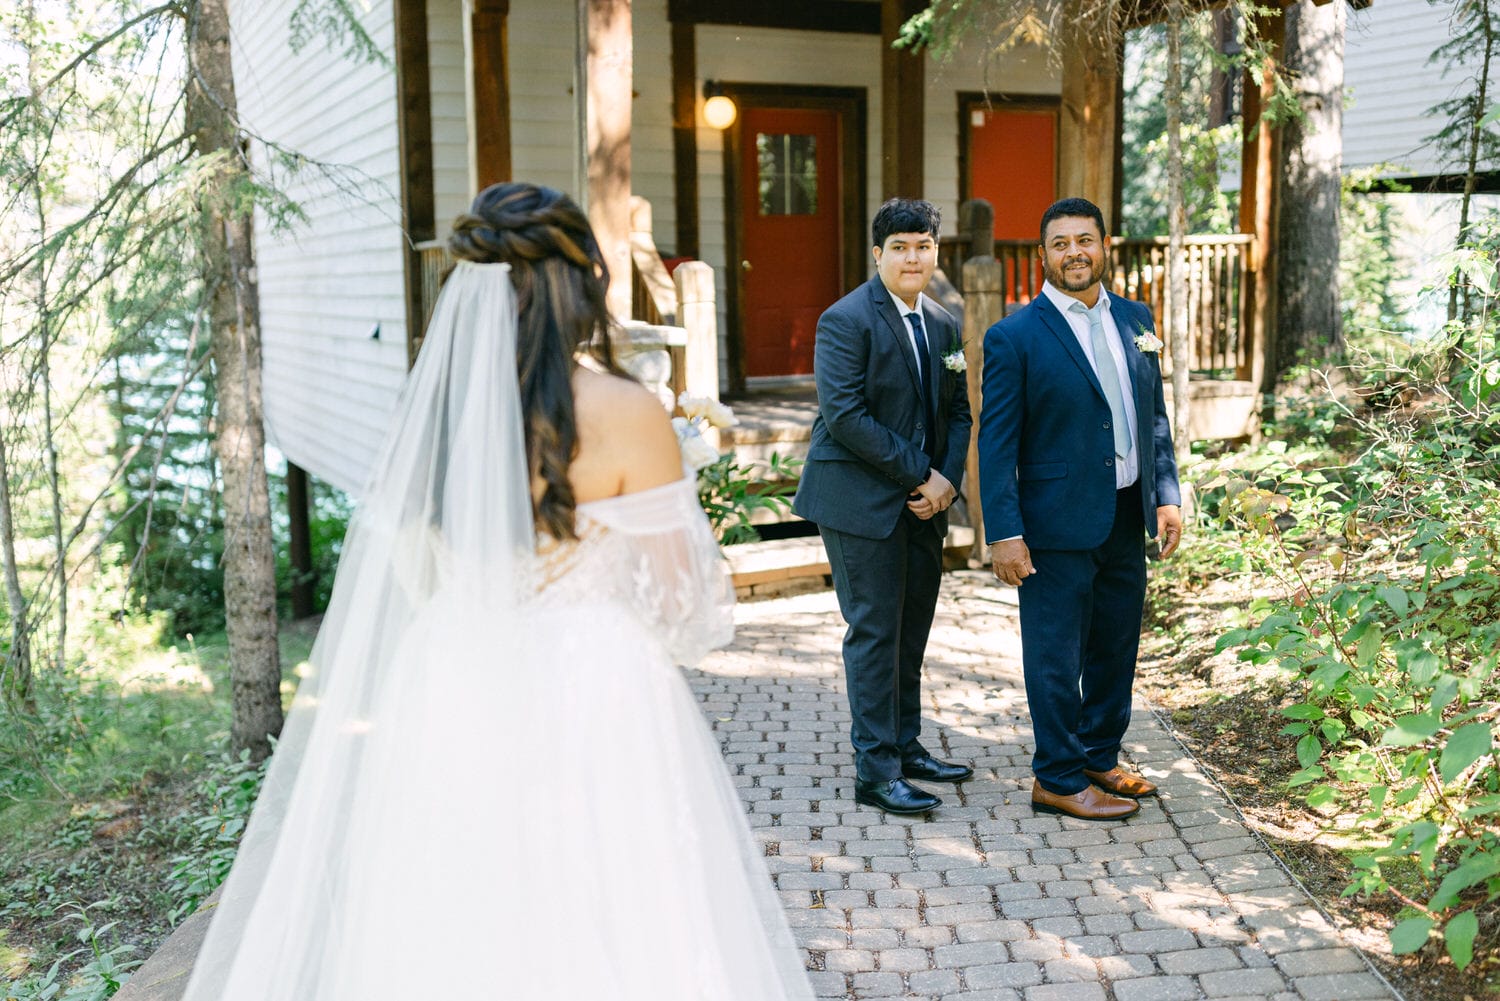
1219	290
433	265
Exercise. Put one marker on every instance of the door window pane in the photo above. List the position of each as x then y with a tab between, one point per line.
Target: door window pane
788	173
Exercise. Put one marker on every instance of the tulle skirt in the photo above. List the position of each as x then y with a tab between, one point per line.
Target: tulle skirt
539	812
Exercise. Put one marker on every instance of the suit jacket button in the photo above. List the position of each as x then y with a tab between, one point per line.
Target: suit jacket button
919	425
1106	425
1109	462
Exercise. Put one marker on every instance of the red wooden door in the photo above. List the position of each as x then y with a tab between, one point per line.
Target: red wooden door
1013	166
789	234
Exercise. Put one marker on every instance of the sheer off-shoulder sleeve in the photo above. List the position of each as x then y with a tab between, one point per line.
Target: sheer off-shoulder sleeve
675	575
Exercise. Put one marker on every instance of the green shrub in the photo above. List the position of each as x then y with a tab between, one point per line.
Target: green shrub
213	837
1389	566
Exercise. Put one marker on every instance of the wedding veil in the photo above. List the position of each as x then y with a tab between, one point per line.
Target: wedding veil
446	514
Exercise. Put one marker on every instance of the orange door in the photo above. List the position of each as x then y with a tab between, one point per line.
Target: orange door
1013	166
789	234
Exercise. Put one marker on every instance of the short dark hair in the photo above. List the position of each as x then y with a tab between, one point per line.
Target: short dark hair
905	215
1072	207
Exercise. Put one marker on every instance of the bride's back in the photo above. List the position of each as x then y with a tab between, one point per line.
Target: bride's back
625	441
591	432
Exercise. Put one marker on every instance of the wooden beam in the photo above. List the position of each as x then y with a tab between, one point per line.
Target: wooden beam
414	139
685	136
610	48
1087	128
801	15
487	30
902	106
1260	161
299	542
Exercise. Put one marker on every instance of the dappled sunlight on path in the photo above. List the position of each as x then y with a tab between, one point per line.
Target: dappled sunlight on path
983	899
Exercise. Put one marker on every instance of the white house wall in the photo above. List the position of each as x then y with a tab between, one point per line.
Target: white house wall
447	70
1391	86
651	166
542	40
327	284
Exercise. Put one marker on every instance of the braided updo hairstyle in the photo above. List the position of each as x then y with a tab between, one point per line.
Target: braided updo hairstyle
560	278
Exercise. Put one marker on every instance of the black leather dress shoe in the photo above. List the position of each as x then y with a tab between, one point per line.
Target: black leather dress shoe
894	796
930	769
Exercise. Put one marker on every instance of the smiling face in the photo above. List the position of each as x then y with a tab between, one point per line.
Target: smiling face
1074	254
905	263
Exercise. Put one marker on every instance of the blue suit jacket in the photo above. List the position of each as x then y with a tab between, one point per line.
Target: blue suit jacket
866	453
1046	452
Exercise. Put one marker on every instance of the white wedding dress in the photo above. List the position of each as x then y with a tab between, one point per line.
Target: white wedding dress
496	783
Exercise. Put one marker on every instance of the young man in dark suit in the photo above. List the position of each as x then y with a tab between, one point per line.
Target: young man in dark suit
1076	467
886	460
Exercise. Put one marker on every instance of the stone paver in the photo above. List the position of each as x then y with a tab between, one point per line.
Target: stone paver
983	900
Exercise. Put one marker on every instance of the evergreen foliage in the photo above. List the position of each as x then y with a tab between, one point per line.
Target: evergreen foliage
1143	208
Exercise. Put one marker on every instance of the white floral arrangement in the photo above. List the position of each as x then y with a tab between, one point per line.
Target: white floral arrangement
699	413
955	361
1147	343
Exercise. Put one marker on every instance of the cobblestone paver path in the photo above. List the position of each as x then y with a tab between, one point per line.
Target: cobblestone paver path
984	900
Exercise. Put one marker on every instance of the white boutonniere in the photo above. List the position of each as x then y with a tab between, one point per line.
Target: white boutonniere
1147	343
954	361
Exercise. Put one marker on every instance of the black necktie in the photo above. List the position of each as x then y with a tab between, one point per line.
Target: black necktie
923	360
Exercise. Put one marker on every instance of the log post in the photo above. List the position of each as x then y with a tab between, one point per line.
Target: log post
983	305
698	314
609	73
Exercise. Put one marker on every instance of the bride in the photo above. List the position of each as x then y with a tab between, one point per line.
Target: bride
495	783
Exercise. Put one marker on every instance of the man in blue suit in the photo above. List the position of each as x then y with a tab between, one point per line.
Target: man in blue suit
887	456
1076	467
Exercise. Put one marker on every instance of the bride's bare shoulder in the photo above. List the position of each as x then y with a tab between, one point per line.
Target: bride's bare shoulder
625	434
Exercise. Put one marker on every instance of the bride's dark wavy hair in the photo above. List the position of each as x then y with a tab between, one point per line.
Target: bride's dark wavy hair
560	279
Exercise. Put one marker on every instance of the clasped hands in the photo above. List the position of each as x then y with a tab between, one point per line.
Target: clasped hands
1010	559
932	497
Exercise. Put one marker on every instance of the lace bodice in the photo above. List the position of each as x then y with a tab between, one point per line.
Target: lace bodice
653	552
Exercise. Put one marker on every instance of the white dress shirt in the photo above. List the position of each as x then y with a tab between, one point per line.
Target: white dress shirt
1127	470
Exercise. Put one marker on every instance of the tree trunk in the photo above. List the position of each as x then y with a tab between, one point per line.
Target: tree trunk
234	312
1309	316
1478	109
15	678
1177	287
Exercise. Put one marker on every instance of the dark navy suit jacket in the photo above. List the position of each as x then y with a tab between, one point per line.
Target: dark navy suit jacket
1046	451
866	454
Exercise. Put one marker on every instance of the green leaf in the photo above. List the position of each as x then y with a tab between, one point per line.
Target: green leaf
1466	745
1321	795
1309	750
1410	730
1327	677
1461	877
1458	935
1395	597
1444	691
1369	646
1410	935
1305	776
1303	710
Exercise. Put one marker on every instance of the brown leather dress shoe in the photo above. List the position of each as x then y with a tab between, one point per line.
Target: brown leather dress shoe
1122	783
1091	804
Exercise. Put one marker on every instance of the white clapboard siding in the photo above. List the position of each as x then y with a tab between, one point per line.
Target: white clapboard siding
452	160
543	137
328	283
651	166
1391	87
